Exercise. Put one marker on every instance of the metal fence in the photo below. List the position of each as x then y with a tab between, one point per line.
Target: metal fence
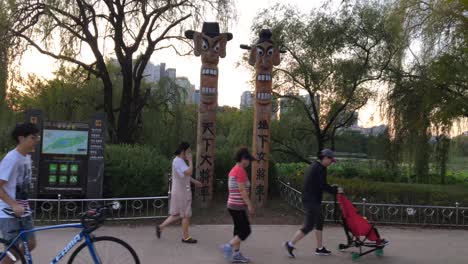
69	210
388	213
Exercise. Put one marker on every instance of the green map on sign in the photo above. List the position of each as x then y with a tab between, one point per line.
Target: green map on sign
68	142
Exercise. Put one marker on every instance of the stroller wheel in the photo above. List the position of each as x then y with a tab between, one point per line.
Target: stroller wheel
379	252
355	256
342	247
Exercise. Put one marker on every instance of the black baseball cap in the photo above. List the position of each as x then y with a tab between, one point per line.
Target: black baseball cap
328	153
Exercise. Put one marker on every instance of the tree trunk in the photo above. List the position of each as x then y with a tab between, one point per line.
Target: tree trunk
421	158
177	119
109	109
320	143
332	140
444	150
125	128
3	72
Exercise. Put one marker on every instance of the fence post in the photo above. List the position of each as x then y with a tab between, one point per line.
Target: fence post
457	204
59	196
169	183
364	207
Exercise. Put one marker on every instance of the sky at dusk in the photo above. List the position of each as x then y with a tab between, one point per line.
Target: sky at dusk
233	79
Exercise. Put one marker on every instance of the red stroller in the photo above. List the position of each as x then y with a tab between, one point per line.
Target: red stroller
359	232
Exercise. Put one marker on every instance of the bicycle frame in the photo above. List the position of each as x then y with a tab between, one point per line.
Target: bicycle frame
76	240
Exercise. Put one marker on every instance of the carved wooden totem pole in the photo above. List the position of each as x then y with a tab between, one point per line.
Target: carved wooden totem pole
210	45
263	55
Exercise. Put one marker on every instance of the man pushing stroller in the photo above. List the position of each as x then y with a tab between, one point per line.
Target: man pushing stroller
314	185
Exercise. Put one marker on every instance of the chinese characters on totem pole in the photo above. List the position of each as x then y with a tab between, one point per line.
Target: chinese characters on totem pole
263	55
210	45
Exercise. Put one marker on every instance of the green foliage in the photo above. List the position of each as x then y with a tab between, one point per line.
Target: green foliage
233	130
352	142
429	89
167	120
325	56
403	193
139	29
379	192
69	96
6	46
134	170
291	136
8	119
460	146
315	64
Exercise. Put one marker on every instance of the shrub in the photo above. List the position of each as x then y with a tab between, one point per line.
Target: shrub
382	192
403	193
7	123
135	170
292	173
2	155
224	161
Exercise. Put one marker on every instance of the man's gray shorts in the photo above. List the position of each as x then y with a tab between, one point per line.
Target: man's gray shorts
10	227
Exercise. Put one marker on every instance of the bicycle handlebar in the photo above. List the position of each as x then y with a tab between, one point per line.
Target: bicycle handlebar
94	218
98	213
91	219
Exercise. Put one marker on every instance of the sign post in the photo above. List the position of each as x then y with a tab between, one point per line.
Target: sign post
69	161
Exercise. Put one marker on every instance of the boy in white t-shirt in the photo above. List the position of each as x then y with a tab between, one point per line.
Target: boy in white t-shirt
15	181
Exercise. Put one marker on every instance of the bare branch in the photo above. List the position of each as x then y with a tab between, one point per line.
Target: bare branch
175	50
88	67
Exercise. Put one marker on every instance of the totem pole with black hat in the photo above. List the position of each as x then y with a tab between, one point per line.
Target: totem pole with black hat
264	54
314	185
210	44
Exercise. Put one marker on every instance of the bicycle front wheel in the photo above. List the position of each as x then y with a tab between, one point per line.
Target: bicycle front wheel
108	249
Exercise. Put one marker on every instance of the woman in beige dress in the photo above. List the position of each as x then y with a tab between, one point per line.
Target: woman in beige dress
181	193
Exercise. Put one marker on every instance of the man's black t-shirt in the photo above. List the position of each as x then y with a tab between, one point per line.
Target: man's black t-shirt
315	183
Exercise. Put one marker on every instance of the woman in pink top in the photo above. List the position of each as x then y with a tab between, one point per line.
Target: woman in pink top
238	204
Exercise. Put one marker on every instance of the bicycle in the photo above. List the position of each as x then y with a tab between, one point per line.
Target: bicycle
89	222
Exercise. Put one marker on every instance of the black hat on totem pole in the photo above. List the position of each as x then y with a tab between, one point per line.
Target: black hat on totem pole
265	36
211	29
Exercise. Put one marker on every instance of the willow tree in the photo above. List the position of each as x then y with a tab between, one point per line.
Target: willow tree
6	50
429	80
129	30
5	44
332	58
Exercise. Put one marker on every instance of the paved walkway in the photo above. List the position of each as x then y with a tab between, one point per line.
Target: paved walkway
408	245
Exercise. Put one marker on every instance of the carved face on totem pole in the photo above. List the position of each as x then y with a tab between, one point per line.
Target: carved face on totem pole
264	55
210	45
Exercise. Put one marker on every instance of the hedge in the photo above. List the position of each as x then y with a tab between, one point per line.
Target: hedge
383	192
375	170
135	170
